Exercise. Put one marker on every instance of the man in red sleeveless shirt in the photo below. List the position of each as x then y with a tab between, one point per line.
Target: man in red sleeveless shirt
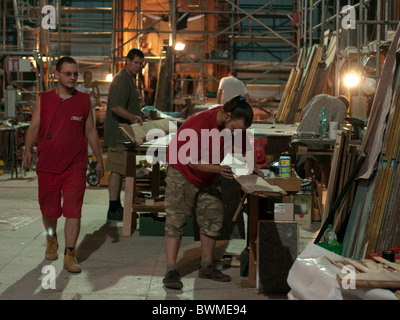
194	169
61	123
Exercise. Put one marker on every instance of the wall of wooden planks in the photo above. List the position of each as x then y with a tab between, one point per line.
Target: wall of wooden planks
342	165
374	222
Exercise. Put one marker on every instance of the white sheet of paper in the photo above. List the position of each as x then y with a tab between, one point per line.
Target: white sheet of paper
239	168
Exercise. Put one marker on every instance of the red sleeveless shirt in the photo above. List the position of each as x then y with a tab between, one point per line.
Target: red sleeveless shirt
61	139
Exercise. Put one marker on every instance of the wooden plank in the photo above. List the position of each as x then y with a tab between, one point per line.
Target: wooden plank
393	265
391	149
378	208
370	126
348	200
389	224
358	244
253	184
343	160
353	227
331	188
360	267
343	178
387	280
288	104
305	97
127	216
374	267
364	212
286	94
335	263
395	221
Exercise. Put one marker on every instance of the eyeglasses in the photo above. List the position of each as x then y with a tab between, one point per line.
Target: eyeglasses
69	74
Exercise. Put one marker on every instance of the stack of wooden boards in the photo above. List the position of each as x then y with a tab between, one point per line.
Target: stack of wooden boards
374	223
343	163
307	80
380	222
370	274
382	230
137	133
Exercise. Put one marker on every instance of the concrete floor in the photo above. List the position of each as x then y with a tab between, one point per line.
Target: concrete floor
113	267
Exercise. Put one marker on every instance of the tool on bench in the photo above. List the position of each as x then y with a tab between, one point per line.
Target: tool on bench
358	126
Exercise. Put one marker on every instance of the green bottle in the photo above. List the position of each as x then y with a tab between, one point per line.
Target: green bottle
323	126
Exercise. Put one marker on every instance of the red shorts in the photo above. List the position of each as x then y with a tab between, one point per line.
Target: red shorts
69	186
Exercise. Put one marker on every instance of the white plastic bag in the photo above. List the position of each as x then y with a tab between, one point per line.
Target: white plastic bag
313	277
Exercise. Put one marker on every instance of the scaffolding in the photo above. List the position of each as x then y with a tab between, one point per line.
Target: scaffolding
258	39
369	28
24	18
254	38
30	31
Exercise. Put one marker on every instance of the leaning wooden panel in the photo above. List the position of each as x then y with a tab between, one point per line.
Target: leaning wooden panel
289	104
286	93
374	280
300	89
277	249
391	151
335	165
316	58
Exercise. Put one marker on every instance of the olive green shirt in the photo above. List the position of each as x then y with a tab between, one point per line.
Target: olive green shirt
123	92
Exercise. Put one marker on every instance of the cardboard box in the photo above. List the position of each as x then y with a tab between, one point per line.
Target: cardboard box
284	212
303	203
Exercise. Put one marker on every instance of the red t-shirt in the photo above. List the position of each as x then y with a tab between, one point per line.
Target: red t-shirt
200	138
61	139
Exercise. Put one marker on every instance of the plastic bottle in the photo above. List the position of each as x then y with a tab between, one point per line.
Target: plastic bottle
323	126
330	235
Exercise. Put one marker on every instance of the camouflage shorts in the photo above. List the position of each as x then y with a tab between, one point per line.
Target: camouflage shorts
181	197
116	160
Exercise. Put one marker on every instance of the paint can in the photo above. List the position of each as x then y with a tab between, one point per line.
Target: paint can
285	168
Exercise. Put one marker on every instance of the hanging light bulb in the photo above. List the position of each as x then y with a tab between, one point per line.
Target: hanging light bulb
351	80
179	46
109	77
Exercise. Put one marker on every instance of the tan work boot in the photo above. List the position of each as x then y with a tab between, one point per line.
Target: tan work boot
51	248
70	262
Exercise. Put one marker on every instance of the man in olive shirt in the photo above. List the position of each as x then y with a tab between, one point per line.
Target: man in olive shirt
123	106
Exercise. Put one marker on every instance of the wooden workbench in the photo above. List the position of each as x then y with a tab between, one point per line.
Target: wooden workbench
314	146
131	204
